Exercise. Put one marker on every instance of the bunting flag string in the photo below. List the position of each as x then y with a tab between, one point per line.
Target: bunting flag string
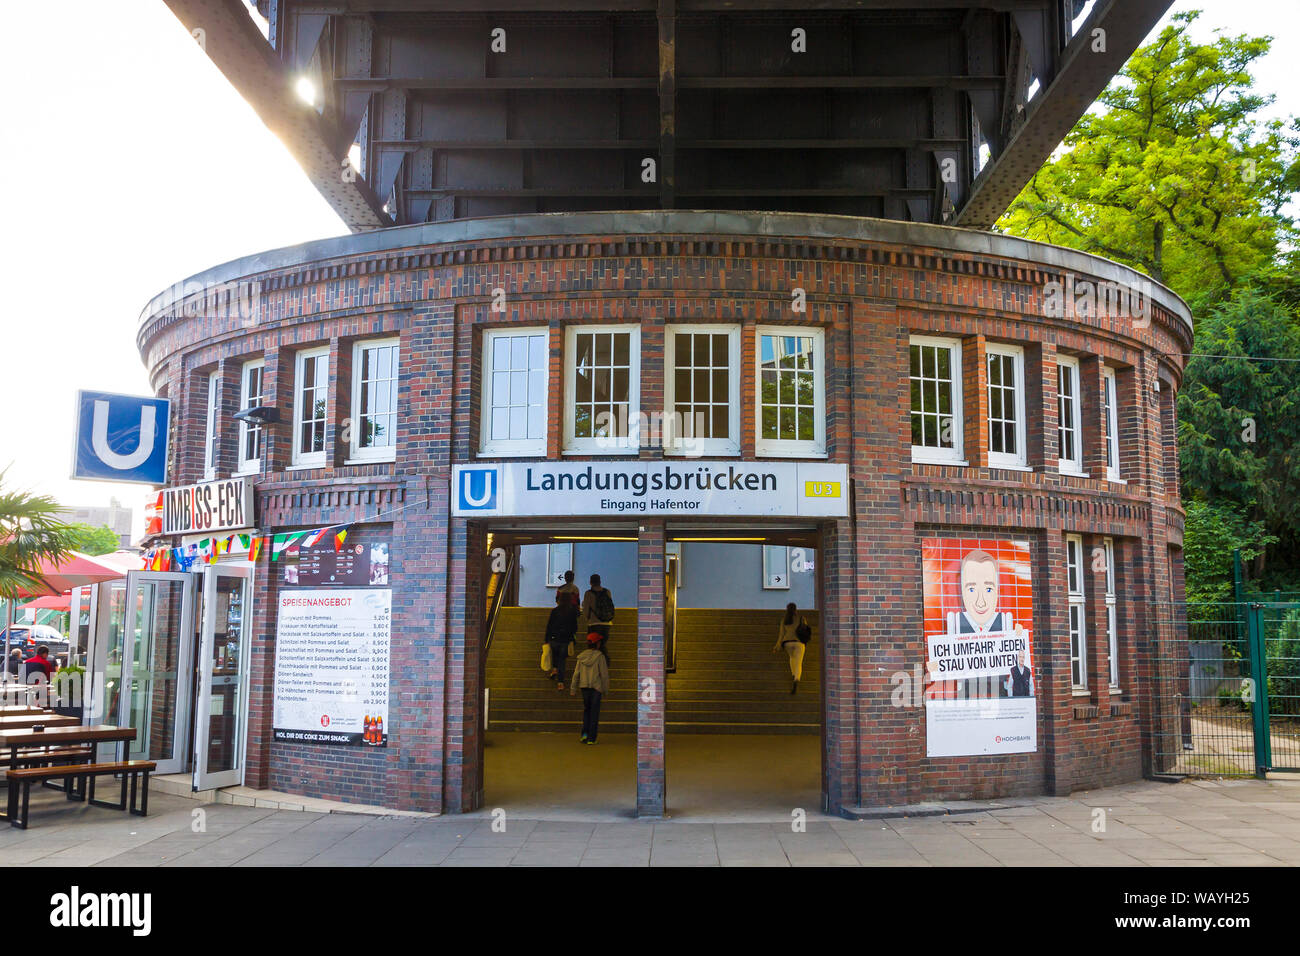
209	550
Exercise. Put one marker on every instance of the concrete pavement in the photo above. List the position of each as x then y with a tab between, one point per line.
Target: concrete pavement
1195	823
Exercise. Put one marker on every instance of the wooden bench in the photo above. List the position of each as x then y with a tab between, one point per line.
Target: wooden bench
80	781
48	757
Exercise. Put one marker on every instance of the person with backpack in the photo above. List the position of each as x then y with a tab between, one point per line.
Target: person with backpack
591	675
598	613
791	637
560	629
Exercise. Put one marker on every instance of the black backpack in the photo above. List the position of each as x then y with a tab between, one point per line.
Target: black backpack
603	605
803	632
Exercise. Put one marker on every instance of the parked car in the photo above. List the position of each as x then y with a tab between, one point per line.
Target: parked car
28	637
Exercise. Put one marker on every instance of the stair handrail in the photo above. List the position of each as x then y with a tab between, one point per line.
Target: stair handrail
498	598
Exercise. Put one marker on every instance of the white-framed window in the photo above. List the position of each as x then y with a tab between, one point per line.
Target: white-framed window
515	384
310	406
1006	388
1112	630
935	380
252	393
374	400
1075	603
1069	420
702	389
1110	419
210	428
602	389
776	567
790	405
559	558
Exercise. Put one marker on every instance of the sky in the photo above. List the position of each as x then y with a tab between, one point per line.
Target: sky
133	164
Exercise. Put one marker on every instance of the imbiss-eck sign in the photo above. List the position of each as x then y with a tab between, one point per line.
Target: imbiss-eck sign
208	506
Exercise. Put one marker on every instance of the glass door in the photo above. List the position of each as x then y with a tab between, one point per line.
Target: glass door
148	681
223	673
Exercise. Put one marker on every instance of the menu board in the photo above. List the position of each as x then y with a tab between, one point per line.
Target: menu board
331	666
354	565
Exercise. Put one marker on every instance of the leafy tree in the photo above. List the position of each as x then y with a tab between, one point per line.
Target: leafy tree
1213	531
1175	174
1239	418
95	540
30	533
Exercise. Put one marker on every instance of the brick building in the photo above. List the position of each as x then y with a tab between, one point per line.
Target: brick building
948	386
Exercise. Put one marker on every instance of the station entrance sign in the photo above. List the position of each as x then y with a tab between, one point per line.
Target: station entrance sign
673	487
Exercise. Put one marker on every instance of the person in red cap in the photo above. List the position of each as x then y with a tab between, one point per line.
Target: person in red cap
591	674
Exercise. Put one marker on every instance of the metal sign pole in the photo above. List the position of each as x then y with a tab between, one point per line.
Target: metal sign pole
9	633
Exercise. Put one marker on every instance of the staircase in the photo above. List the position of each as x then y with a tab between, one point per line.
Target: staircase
523	698
727	679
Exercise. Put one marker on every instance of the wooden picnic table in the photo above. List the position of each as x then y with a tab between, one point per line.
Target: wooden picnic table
58	736
30	720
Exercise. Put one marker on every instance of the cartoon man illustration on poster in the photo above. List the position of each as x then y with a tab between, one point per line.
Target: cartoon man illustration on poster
978	613
980	616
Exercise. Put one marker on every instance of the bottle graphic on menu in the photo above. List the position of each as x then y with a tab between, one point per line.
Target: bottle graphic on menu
379	730
365	733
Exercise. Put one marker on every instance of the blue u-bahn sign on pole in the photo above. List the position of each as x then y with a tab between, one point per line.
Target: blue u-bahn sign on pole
121	438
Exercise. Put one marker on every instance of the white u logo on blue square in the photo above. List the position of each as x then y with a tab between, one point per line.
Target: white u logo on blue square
477	490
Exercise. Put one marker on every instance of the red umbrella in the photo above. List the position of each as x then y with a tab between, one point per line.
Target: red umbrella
74	571
61	602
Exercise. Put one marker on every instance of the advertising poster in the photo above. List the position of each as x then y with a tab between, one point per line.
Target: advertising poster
331	666
981	694
355	565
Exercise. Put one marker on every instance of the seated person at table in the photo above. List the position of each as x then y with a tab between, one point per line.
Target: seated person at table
41	664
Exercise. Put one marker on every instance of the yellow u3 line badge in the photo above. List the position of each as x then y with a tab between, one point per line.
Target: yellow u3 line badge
821	489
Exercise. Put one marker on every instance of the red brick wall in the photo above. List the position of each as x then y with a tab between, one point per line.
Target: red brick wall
868	297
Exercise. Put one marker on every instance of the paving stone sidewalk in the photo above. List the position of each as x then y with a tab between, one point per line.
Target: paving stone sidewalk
1195	823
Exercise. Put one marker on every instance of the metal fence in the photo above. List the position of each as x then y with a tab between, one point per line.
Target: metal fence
1225	690
1279	640
1201	726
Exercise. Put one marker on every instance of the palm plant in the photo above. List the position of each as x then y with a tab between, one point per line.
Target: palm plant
30	533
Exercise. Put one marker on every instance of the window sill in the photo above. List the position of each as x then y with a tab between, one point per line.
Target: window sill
1081	692
1001	467
485	453
1071	473
252	470
702	453
773	453
1116	481
602	452
371	461
924	460
307	466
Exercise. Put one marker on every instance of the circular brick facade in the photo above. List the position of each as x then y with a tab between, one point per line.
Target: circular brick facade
869	285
